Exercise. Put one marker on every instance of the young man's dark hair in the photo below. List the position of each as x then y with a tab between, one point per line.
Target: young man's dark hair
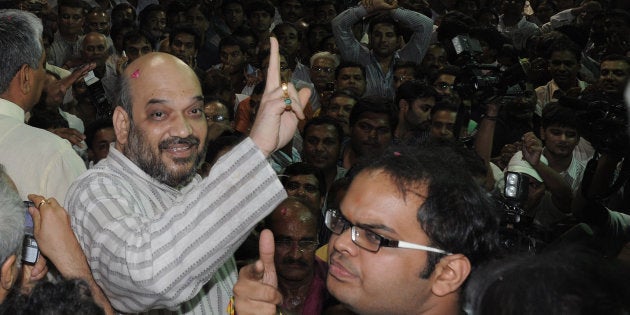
320	121
554	114
260	5
413	90
94	127
47	298
374	104
71	4
384	19
303	168
443	106
349	64
145	14
233	41
457	214
287	24
564	44
185	29
567	280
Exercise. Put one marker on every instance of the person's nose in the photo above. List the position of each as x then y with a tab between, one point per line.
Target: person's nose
181	127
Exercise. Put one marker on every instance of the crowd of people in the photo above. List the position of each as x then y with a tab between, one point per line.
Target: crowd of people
314	157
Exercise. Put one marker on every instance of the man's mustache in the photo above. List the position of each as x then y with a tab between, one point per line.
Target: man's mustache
190	140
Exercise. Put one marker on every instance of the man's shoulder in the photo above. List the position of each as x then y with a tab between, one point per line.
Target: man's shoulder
35	139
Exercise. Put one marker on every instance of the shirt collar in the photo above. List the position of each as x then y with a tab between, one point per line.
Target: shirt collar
8	108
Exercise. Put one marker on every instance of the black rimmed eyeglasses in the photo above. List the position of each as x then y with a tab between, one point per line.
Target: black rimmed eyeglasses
367	239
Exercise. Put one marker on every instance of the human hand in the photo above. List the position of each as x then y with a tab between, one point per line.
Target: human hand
256	291
56	90
276	122
532	148
121	63
251	79
70	134
377	5
55	238
31	274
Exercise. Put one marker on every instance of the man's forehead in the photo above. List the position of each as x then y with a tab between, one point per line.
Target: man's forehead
374	118
303	178
230	48
350	70
328	130
615	65
323	60
413	194
342	100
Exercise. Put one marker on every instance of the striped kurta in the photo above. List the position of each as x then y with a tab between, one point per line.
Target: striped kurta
153	247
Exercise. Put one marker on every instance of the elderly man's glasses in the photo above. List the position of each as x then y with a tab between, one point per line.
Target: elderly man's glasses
302	245
443	86
367	239
323	69
216	118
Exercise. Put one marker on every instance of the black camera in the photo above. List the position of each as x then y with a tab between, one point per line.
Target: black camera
485	81
30	250
97	96
603	121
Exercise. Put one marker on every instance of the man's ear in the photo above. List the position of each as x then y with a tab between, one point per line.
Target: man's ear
8	273
449	274
25	75
542	134
121	125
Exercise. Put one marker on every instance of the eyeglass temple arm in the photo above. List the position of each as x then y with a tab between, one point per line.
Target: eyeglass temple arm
403	244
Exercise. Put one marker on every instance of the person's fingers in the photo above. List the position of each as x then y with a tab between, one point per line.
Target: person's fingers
303	96
273	70
40	268
67	82
37	219
266	249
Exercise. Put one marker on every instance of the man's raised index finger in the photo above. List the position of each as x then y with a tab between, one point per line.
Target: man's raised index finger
273	70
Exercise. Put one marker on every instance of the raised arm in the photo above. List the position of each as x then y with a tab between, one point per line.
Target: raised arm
349	47
422	27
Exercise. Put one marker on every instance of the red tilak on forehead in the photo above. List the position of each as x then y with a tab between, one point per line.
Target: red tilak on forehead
283	211
135	74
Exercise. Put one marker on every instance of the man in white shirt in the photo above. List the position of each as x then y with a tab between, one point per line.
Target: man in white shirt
37	160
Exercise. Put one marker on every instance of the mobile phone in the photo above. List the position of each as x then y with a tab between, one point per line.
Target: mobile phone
30	250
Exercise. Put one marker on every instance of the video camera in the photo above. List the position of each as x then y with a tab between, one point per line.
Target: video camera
603	121
485	81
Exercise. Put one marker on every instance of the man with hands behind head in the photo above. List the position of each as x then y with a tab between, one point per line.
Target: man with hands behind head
384	32
157	236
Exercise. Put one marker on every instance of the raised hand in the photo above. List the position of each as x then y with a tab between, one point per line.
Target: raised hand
276	122
55	91
256	291
532	148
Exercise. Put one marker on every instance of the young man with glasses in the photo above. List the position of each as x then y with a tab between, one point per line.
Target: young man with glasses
411	228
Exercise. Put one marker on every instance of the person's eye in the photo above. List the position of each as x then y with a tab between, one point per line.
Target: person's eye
158	115
372	237
310	188
196	111
292	186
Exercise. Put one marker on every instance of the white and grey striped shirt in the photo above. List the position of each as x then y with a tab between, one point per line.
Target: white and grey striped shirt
153	247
